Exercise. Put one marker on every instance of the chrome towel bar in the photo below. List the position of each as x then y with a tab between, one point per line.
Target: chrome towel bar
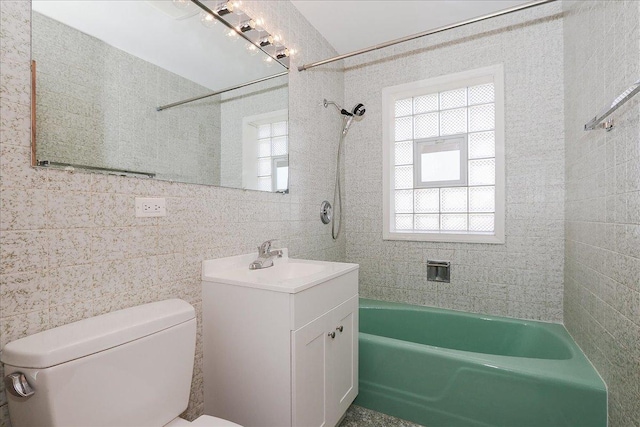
597	121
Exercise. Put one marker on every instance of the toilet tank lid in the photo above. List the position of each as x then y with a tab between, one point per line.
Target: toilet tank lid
75	340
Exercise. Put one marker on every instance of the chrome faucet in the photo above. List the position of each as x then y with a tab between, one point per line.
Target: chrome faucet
265	256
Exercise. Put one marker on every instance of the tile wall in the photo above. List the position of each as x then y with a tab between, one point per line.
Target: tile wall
523	277
70	246
96	107
602	201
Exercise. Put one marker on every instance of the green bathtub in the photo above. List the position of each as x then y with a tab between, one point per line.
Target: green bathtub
447	368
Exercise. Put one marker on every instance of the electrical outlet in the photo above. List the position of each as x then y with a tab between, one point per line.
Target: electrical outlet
147	206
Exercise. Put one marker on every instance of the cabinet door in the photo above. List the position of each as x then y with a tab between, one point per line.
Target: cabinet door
343	375
310	364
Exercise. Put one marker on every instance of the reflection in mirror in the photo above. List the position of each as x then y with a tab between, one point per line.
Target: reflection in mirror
104	67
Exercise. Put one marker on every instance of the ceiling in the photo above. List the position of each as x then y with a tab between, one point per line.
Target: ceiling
351	25
164	35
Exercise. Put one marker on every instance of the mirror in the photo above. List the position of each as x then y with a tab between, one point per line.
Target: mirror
111	78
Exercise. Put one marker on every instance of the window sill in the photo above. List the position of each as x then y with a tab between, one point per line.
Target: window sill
444	237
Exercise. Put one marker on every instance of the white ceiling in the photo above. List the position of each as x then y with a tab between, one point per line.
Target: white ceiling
351	25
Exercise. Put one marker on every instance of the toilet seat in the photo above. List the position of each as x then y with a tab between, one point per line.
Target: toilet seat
202	421
209	421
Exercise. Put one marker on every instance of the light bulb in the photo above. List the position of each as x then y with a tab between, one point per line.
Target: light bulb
266	41
181	4
224	9
236	7
251	48
259	24
277	38
281	54
232	35
207	19
247	25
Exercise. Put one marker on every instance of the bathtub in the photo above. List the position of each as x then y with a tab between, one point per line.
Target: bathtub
446	368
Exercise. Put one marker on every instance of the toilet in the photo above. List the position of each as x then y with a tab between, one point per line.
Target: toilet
131	367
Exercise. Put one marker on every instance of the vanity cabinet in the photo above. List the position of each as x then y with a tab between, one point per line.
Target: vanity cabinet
280	347
325	366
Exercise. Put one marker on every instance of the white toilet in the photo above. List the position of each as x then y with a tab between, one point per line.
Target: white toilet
130	367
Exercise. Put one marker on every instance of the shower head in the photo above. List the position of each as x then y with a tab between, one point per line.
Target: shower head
358	110
356	113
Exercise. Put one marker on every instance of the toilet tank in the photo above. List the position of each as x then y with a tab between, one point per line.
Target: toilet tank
130	367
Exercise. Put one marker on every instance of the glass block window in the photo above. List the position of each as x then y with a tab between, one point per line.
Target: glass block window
444	158
272	165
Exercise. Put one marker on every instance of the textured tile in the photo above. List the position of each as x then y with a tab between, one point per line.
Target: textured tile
61	180
115	210
69	247
602	315
358	416
189	290
19	326
22	251
15	83
173	267
23	209
14	40
15	170
68	313
127	275
68	210
14	118
123	242
70	284
24	292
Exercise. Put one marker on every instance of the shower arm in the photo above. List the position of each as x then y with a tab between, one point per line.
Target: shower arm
338	107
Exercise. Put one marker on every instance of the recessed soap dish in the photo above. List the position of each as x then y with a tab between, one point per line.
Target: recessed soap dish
439	271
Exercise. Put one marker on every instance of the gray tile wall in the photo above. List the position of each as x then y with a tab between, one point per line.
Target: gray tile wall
96	107
602	202
70	246
523	277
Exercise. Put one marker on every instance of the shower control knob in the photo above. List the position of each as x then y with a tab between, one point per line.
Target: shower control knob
325	212
17	385
332	335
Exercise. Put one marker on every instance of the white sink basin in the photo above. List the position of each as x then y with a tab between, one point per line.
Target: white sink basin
288	270
286	275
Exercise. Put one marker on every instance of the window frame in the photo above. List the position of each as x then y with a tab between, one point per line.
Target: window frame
438	144
250	149
277	162
390	95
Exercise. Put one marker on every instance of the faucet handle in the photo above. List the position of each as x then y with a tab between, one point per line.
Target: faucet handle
265	247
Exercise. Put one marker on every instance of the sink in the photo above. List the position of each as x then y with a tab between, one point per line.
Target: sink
288	270
286	275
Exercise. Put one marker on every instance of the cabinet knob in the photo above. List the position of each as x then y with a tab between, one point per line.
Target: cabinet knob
332	334
340	328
